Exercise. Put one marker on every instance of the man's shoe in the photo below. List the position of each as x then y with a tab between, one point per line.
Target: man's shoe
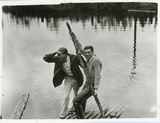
62	116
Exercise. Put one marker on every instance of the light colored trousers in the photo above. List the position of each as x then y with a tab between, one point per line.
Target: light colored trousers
69	84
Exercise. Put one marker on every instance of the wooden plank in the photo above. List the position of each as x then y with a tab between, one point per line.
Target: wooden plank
74	116
69	116
119	115
100	116
88	115
108	113
111	110
94	115
120	112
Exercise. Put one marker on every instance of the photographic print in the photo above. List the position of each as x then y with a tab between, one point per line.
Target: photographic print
94	60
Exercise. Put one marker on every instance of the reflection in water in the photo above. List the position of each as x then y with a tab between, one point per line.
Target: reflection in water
52	23
133	70
111	21
25	21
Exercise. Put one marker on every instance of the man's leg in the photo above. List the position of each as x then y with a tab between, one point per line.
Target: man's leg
67	91
84	105
75	92
75	87
79	101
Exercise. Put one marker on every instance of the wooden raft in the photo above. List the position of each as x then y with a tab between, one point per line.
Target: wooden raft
108	113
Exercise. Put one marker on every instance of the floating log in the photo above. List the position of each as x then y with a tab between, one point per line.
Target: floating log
20	107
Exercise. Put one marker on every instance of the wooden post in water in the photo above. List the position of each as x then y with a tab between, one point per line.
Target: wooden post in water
20	107
133	72
135	41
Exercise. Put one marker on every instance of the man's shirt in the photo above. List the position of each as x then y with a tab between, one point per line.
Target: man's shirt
67	67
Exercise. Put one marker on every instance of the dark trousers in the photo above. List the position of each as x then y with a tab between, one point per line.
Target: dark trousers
80	100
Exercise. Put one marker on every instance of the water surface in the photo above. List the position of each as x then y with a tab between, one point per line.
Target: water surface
129	63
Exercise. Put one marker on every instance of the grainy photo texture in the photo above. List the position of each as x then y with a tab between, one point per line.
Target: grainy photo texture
79	61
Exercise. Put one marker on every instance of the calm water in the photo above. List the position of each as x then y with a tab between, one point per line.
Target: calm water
129	63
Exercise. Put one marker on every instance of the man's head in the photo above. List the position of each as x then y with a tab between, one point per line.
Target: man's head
88	52
62	51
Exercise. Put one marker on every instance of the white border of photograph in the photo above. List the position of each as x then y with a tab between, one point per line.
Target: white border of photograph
121	120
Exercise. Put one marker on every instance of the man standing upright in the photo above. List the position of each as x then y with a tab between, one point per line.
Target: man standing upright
93	76
67	69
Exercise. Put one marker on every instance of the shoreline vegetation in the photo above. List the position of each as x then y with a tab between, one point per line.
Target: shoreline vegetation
78	9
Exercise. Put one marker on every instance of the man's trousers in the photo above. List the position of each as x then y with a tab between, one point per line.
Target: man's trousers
80	100
69	84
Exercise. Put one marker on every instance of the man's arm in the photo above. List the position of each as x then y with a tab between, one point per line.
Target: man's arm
52	57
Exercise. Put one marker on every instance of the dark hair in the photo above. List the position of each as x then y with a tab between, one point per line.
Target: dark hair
89	47
63	50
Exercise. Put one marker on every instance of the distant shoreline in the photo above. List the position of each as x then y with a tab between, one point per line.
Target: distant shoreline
82	9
